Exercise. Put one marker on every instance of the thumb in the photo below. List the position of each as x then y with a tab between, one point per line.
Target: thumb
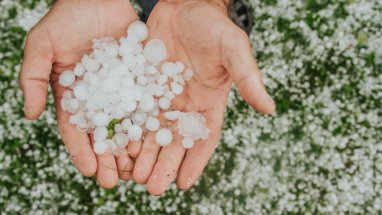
238	60
35	72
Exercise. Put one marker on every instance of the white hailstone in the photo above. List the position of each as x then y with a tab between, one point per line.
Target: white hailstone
147	103
155	112
126	94
193	125
127	81
169	69
187	74
121	140
176	88
137	48
100	56
126	123
164	103
129	106
100	133
152	70
137	95
139	118
159	91
91	78
138	69
111	145
129	60
152	124
65	104
79	70
90	65
74	105
142	80
67	78
100	119
112	51
141	59
138	30
169	95
162	79
181	80
187	143
100	147
118	128
81	91
114	98
155	51
163	136
101	99
110	85
67	94
117	112
172	115
76	119
125	48
179	67
134	132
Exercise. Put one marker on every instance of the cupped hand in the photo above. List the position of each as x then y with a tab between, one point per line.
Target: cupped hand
200	34
54	45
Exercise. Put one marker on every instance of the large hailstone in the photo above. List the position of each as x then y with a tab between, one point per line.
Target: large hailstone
155	51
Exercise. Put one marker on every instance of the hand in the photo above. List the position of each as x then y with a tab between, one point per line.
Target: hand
54	45
201	35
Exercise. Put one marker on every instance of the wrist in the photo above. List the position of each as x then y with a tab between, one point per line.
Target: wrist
223	4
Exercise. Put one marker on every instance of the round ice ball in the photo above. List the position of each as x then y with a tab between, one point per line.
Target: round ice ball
155	51
138	30
67	78
152	124
163	137
100	119
187	143
100	147
134	132
100	133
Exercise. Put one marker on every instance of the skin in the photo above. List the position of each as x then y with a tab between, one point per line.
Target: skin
54	45
199	34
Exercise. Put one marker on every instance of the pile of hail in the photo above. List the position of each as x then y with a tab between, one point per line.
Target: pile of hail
118	91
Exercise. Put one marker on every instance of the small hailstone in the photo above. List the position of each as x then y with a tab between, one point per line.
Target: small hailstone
147	103
169	69
142	80
90	64
187	143
67	94
79	70
172	115
100	119
100	147
101	99
126	123
193	125
129	106
169	95
75	119
67	78
121	140
81	91
129	60
176	88
138	30
155	112
118	128
163	136
117	112
126	48
100	133
164	103
139	118
162	79
179	66
152	70
134	132
152	124
155	51
126	94
110	85
187	74
141	59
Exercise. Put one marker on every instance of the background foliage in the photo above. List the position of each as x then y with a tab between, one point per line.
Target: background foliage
320	154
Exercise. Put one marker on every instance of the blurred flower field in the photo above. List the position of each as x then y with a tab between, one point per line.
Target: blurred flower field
321	153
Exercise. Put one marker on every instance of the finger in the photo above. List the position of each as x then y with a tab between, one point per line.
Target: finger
107	172
77	142
125	165
134	147
166	168
146	159
237	58
197	157
34	77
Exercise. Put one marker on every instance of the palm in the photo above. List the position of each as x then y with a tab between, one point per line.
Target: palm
54	45
204	44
